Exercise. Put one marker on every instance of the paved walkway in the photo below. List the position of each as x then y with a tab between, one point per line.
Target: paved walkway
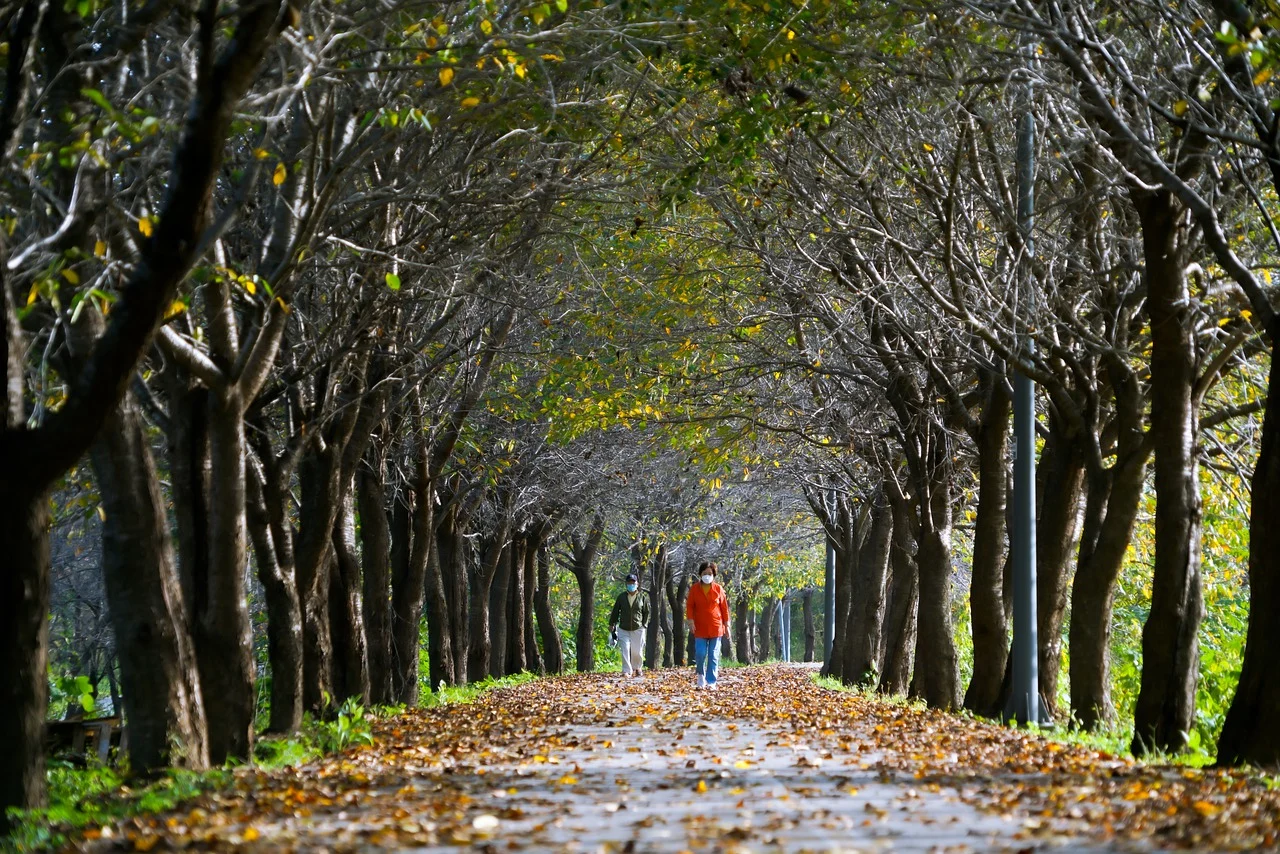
766	762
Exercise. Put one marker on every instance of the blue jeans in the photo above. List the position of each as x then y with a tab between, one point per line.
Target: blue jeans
706	652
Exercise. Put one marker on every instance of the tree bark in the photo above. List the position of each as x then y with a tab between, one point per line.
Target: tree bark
676	593
318	485
269	532
552	646
1250	733
742	626
517	660
489	610
164	708
765	625
900	614
986	591
375	539
584	550
415	576
810	636
533	545
351	654
24	627
1165	711
1112	499
865	647
845	544
584	643
1061	475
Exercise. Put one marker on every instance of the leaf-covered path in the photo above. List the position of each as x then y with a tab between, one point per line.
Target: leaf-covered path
768	761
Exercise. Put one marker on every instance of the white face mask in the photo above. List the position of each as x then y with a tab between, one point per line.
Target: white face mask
706	579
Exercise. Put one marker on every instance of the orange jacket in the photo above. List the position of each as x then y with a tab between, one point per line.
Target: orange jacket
709	610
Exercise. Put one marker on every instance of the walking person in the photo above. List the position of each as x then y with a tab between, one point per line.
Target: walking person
708	610
628	620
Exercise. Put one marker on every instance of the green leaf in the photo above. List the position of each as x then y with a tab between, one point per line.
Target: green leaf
97	97
562	5
393	281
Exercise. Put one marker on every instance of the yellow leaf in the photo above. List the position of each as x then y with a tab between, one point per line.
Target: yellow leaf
1205	808
248	285
279	175
250	834
261	153
551	57
486	26
33	294
1246	314
145	226
926	146
1263	76
145	843
446	76
701	788
102	516
284	306
176	308
71	276
567	780
742	763
468	103
100	249
1180	107
520	70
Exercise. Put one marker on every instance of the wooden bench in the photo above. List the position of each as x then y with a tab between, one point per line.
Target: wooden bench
74	736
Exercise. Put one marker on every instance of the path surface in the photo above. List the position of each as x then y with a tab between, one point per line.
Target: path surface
767	762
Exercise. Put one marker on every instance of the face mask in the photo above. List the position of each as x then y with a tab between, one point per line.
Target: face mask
706	579
631	588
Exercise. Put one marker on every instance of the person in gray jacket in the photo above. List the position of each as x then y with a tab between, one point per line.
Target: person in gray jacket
628	620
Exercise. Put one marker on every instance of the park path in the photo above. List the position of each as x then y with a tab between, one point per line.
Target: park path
768	761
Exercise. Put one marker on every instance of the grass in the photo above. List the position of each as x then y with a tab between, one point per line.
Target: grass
96	795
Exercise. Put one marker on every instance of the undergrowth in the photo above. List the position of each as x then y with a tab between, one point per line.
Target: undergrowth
98	795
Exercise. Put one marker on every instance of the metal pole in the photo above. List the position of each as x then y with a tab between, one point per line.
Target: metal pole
829	603
1025	700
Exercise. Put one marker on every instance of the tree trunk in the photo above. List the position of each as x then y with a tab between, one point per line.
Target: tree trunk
413	551
584	643
455	572
1250	733
450	665
1165	711
273	551
810	636
865	647
351	654
223	635
24	639
375	554
552	646
164	709
1114	495
516	659
676	594
766	627
845	545
318	485
986	589
1061	476
188	441
489	611
900	614
742	625
533	659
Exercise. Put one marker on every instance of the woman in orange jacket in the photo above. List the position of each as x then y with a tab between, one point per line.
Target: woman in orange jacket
708	610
